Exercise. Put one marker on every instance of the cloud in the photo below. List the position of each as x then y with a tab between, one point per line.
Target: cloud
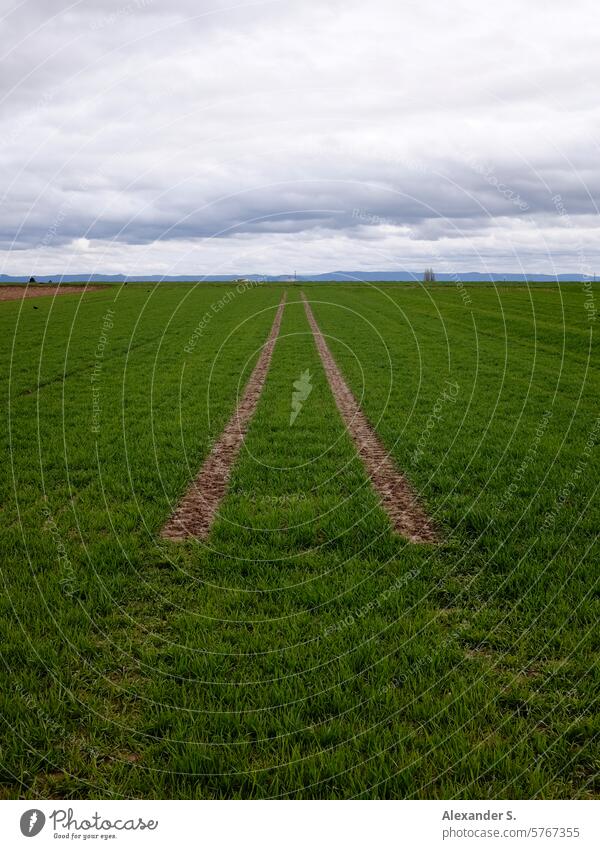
297	132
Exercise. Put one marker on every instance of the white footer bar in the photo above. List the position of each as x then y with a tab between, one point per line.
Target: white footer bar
301	824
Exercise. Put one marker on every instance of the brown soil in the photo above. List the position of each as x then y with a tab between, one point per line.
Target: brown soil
15	293
397	496
198	508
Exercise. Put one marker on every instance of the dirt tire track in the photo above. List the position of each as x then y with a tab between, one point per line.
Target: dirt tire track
398	498
197	510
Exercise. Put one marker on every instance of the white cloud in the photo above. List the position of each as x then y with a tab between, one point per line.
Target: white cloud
195	137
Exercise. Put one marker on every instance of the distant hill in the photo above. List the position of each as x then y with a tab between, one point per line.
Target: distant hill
332	276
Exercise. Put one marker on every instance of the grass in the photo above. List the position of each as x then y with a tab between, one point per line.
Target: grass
305	651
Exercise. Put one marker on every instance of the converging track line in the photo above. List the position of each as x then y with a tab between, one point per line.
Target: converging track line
197	510
398	498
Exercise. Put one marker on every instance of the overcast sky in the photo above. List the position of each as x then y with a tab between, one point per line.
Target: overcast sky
201	136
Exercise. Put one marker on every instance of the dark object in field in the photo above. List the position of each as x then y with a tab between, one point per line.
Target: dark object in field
32	279
398	498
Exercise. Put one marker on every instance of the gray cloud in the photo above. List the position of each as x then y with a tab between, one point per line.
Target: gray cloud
298	132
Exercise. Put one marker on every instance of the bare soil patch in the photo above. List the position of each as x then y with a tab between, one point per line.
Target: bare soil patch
15	293
197	510
398	498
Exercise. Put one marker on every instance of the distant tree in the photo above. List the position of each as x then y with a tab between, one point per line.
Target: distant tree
32	279
429	276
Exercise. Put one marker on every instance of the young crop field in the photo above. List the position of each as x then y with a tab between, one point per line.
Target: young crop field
276	635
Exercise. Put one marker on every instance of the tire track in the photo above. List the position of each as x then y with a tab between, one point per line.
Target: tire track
197	510
398	498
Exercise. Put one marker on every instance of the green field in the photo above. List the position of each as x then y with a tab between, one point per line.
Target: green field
304	651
